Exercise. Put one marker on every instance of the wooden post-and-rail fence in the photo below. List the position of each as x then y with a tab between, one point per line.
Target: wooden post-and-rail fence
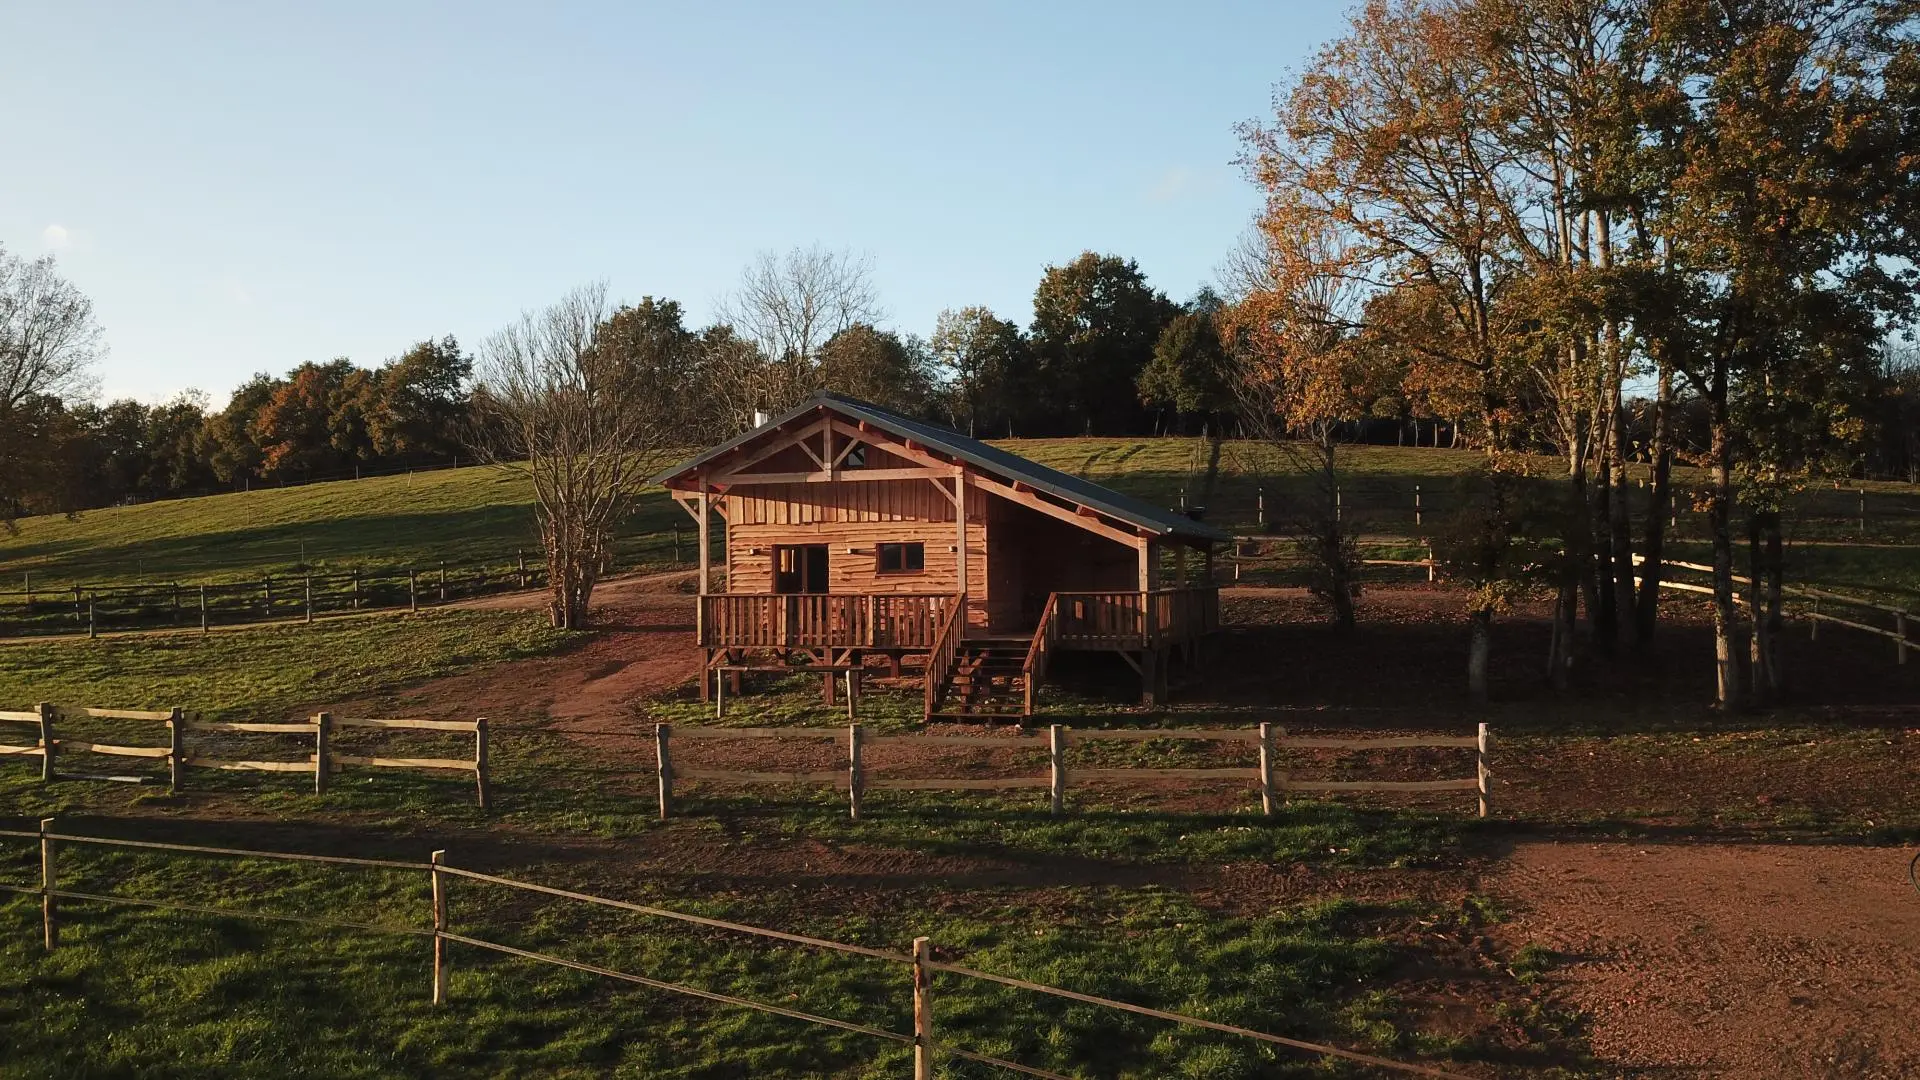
930	1046
1810	609
323	763
1273	782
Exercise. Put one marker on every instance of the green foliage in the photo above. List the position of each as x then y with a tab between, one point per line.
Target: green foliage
1189	370
1095	323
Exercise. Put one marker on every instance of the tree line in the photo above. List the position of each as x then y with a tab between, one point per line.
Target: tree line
1522	214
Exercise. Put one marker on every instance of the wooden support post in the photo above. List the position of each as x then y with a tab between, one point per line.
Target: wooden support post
47	745
1057	764
413	590
443	581
92	628
439	929
853	692
663	755
1481	772
826	688
1266	769
480	768
520	566
322	751
705	560
356	590
923	1056
306	587
719	694
856	779
266	593
960	529
1813	624
49	915
1417	517
176	749
203	609
1150	661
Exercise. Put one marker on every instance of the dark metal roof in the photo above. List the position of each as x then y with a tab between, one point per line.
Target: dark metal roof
981	455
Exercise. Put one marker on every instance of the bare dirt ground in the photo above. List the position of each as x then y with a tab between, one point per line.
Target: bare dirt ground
1694	955
1728	960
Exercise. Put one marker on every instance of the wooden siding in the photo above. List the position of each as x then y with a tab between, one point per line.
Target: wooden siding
848	501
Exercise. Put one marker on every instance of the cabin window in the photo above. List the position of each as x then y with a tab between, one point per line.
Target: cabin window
856	457
903	558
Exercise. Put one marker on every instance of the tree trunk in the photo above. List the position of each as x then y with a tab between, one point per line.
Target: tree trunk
1764	604
1720	513
1620	520
1659	508
1480	623
1560	652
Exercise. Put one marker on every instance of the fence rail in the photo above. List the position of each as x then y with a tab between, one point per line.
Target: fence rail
1274	783
325	761
1810	610
928	1047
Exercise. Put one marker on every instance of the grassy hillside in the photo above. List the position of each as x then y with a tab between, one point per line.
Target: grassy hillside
485	515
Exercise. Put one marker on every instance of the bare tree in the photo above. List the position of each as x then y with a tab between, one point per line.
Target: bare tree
790	305
49	344
585	421
48	339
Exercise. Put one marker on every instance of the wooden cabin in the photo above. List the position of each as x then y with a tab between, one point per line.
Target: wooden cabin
851	531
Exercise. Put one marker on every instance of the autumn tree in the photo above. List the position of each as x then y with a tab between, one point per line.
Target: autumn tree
49	344
879	366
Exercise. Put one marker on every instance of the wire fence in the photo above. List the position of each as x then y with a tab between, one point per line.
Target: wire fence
930	1041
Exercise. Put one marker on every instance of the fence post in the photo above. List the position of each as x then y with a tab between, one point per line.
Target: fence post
307	599
923	1063
322	737
1900	627
47	745
79	613
1863	512
1057	764
1336	503
520	564
855	778
443	581
176	749
480	761
176	603
1416	504
1266	769
1813	624
1481	770
413	590
1260	506
92	628
1431	568
266	586
48	914
203	609
439	928
663	754
355	586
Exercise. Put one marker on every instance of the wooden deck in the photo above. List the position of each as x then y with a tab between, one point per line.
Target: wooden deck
1117	620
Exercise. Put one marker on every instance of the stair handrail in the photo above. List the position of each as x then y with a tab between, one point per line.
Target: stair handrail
946	646
1039	652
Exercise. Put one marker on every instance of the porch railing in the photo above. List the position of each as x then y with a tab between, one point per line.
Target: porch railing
946	649
822	620
1134	620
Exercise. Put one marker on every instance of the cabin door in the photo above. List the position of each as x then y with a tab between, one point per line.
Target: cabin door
800	568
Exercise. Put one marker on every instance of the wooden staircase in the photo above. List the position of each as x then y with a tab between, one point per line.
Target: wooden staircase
987	678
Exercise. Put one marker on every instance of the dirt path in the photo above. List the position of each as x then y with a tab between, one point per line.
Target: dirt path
646	646
1729	960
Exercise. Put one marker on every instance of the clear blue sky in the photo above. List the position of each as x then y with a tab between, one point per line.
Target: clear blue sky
242	187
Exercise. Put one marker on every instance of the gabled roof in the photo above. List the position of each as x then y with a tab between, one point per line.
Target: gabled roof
992	459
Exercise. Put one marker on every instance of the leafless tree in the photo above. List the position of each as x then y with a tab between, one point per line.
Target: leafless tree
48	339
584	422
790	305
